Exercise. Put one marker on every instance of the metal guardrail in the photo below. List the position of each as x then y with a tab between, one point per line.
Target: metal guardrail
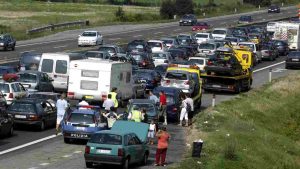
52	27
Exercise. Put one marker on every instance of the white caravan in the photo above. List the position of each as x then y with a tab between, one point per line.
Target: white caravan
289	32
94	79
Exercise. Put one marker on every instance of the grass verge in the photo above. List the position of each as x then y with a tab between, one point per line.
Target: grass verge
259	129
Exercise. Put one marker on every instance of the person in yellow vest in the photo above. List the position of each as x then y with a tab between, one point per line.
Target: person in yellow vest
136	115
114	97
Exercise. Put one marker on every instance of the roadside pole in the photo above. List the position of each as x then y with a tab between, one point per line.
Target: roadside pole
270	75
213	102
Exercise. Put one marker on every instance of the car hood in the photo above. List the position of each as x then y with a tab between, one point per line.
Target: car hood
86	38
140	129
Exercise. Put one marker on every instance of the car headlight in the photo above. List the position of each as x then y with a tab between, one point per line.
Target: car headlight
1	44
180	21
190	21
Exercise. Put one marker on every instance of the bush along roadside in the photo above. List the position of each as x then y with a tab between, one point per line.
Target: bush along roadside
259	129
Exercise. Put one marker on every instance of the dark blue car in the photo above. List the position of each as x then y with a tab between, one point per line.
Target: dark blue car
173	101
150	78
81	123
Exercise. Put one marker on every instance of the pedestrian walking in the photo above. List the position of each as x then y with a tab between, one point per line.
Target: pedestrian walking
114	97
153	97
190	101
185	108
162	147
61	107
151	132
163	106
108	103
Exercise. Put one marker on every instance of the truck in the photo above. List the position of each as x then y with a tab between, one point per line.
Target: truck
289	32
94	79
229	70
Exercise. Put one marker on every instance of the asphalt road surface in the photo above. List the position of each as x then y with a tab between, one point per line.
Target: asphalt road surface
49	151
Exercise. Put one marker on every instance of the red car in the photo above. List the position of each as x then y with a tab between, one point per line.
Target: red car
200	26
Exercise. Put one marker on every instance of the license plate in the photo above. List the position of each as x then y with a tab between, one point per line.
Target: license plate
79	135
20	116
103	151
216	86
205	51
80	128
89	97
295	60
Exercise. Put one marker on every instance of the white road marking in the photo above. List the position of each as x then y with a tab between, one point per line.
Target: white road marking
175	30
137	36
267	67
33	168
27	51
77	152
28	144
113	39
67	156
63	46
44	164
158	33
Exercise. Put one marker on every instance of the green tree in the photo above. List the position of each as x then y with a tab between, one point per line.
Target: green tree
120	14
184	7
167	9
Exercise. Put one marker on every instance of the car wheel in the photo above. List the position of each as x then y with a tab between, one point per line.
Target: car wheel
42	126
11	131
125	165
13	48
67	140
287	67
5	48
145	159
89	165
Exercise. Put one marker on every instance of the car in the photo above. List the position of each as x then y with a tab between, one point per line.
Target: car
12	91
49	96
90	38
173	101
150	78
201	62
203	37
149	105
7	41
112	49
6	124
138	46
185	39
292	60
29	61
245	19
81	123
222	42
123	145
207	48
188	19
161	69
269	52
7	69
34	80
3	103
233	40
144	60
162	58
255	38
97	54
220	33
282	46
190	49
239	31
242	38
157	46
33	112
178	54
255	49
199	26
274	9
170	42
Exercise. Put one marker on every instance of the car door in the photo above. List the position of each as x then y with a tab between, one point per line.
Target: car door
51	113
132	150
44	82
23	90
138	148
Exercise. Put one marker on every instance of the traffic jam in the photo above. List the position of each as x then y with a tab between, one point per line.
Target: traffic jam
118	98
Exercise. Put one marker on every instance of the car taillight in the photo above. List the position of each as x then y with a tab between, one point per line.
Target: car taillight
187	82
71	94
174	109
33	117
194	29
87	149
144	63
104	96
121	152
209	62
167	81
11	95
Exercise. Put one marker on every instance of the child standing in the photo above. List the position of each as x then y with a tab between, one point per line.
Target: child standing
152	131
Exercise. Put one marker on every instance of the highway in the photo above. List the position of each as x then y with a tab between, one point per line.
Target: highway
51	152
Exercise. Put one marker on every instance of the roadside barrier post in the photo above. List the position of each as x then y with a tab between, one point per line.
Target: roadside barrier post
213	103
259	7
203	13
270	75
235	10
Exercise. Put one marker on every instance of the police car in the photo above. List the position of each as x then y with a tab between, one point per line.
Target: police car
81	123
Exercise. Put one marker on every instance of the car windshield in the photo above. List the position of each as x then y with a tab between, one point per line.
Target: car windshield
106	138
244	18
4	88
167	41
176	75
197	61
183	37
107	49
206	46
294	54
150	108
22	107
187	17
201	35
27	78
96	55
43	96
89	34
159	56
221	32
155	44
248	45
81	118
232	39
137	57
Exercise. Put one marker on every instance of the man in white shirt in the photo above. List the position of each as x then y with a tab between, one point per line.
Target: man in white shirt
61	107
83	102
190	101
108	103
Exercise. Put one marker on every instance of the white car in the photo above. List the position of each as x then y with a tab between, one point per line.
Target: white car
201	62
161	58
90	38
220	33
203	37
12	91
157	46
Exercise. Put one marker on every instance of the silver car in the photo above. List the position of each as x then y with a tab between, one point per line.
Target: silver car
207	48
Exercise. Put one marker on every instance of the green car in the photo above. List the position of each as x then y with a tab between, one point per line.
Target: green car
124	144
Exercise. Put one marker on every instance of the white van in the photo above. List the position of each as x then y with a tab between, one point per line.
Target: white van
94	79
56	65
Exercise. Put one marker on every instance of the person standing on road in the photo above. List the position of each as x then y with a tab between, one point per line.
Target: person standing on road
190	101
163	106
61	106
83	102
135	115
151	132
184	111
114	97
153	97
111	117
162	147
108	103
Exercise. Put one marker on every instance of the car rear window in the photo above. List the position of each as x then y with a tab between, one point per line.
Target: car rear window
89	34
81	118
197	61
4	88
150	109
61	66
168	41
107	49
206	46
22	107
155	44
159	56
201	36
47	65
221	32
106	138
176	75
27	78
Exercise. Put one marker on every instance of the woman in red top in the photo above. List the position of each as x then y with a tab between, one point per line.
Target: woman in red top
162	147
163	105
